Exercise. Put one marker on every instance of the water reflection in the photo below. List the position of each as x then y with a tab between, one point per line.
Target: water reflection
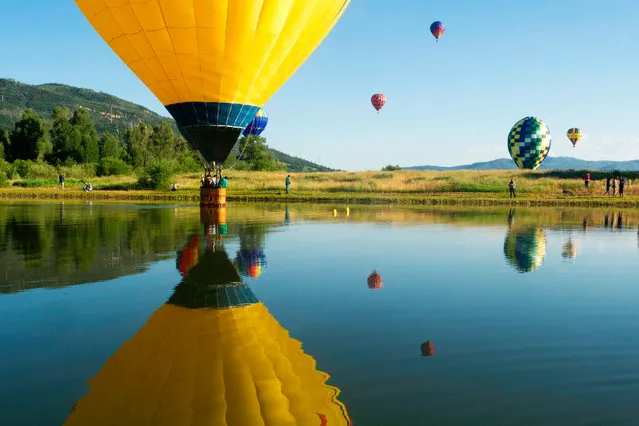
212	354
250	260
53	245
525	247
569	250
375	281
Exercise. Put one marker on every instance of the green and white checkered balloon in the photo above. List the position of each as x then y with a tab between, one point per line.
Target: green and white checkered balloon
529	142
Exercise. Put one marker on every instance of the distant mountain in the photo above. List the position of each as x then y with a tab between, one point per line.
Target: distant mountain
109	112
551	163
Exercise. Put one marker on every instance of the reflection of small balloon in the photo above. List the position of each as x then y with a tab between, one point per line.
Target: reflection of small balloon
250	263
569	250
428	349
375	281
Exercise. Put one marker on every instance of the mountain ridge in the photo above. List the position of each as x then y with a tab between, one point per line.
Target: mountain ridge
551	163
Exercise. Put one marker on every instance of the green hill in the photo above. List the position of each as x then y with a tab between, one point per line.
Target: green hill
109	112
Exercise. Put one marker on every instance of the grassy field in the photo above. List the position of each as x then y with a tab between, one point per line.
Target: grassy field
398	187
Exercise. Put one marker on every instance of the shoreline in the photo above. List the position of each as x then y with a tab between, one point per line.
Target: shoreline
267	196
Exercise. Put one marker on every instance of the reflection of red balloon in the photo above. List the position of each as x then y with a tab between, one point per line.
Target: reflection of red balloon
189	257
375	281
428	349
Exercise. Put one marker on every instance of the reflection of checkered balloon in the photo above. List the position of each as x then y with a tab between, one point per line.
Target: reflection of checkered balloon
529	143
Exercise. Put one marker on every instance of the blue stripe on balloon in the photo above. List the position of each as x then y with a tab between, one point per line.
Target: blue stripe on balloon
213	114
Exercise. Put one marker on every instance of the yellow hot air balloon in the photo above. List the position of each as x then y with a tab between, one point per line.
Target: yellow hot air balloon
212	355
213	63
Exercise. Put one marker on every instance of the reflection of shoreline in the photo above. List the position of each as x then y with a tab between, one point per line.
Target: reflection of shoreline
60	244
212	354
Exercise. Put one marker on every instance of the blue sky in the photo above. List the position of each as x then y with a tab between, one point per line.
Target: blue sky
568	62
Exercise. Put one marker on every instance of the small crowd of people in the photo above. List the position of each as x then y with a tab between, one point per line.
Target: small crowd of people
215	181
614	185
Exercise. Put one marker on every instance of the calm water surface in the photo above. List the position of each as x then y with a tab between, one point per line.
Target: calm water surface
262	315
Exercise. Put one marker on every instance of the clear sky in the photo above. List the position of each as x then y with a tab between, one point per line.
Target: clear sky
572	63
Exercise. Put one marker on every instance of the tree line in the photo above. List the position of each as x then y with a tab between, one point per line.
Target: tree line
71	139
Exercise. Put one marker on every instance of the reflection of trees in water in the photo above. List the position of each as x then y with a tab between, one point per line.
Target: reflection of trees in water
44	245
252	235
525	247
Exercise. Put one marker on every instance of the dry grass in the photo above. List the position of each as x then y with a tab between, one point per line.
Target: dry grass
409	182
479	187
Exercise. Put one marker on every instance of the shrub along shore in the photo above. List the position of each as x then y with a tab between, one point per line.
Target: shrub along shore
397	187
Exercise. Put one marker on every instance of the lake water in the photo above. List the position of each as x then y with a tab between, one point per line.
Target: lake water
263	315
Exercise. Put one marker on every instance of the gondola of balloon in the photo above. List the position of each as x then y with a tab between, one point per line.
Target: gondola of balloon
213	65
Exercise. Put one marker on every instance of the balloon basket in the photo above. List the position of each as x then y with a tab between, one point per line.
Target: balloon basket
213	197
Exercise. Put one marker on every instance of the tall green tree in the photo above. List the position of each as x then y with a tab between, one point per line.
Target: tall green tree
109	146
137	142
29	138
256	155
163	141
84	129
4	144
61	131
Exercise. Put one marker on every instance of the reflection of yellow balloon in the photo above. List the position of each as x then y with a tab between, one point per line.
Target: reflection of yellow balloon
213	63
213	355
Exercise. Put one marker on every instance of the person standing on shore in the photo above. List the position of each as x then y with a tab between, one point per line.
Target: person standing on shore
61	179
622	183
587	180
511	188
614	186
607	187
287	182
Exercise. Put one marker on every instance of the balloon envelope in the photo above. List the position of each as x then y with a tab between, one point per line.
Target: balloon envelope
574	135
378	101
529	143
437	29
257	126
213	64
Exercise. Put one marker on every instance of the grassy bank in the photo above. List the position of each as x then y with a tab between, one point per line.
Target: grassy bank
400	187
